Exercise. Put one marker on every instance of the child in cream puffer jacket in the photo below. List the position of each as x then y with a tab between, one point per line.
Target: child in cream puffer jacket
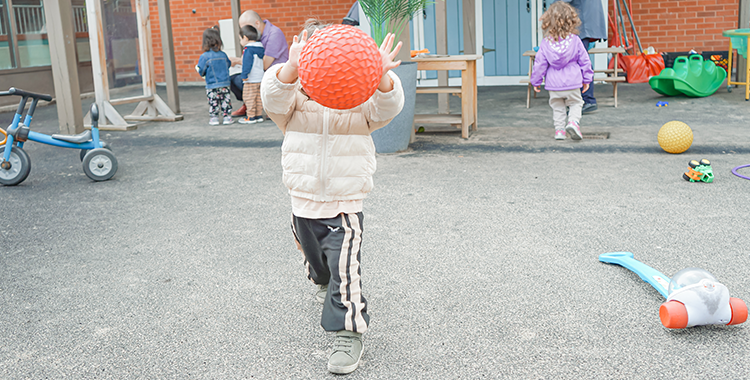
328	160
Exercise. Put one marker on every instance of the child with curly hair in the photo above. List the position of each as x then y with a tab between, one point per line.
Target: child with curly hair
564	64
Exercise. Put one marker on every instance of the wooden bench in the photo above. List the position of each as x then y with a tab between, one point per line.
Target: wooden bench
613	75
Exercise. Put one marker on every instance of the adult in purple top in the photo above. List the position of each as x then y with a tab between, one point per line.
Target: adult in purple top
274	43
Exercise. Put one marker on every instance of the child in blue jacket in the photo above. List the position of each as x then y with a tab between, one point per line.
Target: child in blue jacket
214	66
252	73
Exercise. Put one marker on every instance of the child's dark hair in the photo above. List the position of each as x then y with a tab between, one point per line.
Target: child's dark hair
212	40
249	32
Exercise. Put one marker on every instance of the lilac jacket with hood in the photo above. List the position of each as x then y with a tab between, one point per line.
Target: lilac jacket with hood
565	64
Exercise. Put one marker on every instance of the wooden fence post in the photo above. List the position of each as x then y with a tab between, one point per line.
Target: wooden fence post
61	38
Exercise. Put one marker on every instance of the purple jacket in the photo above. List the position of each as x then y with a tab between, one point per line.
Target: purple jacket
565	64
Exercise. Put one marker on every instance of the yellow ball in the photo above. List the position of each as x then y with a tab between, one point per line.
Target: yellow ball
675	137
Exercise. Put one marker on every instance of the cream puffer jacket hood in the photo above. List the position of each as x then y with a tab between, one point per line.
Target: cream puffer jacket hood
327	154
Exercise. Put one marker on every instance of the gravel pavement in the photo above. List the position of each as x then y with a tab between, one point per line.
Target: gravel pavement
479	256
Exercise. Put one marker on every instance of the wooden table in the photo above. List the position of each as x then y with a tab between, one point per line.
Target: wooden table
467	91
613	74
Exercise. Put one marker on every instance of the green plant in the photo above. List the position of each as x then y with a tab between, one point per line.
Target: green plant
390	16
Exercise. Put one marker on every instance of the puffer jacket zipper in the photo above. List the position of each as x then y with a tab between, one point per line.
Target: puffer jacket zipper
323	155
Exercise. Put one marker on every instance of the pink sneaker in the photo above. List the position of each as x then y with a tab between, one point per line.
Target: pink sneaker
574	130
559	134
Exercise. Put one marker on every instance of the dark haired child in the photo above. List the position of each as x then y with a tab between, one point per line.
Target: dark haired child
252	73
213	65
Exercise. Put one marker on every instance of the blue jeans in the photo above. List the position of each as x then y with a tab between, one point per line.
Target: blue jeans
588	96
235	84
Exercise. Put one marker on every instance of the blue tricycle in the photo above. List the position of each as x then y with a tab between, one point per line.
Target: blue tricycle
99	163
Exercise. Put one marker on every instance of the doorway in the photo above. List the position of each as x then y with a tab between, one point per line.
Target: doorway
505	29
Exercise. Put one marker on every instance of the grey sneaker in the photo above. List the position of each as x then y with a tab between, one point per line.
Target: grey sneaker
559	134
320	294
247	120
214	120
574	130
347	350
228	120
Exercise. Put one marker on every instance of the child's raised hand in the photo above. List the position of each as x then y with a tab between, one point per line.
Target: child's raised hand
298	43
585	87
388	53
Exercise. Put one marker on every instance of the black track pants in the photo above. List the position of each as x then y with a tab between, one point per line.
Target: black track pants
332	255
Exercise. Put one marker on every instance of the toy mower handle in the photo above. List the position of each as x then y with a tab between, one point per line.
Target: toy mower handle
19	92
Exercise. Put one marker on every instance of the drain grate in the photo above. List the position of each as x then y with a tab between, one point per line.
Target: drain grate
596	136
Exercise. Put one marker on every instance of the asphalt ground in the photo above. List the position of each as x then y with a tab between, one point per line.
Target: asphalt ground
479	255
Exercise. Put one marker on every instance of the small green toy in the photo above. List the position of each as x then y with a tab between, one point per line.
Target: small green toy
699	171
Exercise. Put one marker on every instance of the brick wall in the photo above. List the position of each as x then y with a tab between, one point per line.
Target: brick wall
681	25
188	27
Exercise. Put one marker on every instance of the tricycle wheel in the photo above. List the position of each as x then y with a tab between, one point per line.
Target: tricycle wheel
100	164
693	163
20	167
739	311
705	162
84	151
673	315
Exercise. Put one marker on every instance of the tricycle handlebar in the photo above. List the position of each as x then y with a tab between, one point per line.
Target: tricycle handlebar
19	92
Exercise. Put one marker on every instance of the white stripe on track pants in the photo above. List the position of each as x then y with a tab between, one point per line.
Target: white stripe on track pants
332	255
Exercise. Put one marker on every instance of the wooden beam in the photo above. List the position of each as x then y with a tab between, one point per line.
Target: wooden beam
61	38
133	99
236	12
145	46
470	26
441	39
167	48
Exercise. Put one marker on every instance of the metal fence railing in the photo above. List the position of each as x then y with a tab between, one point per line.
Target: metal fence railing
3	28
30	19
79	19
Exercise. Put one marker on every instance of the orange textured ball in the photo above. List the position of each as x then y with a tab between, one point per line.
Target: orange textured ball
340	67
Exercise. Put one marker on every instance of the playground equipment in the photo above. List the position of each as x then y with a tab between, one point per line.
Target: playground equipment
150	106
675	137
99	163
699	171
738	40
694	296
691	76
340	67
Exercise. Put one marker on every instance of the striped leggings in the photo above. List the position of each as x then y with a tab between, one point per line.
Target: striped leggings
331	249
251	97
